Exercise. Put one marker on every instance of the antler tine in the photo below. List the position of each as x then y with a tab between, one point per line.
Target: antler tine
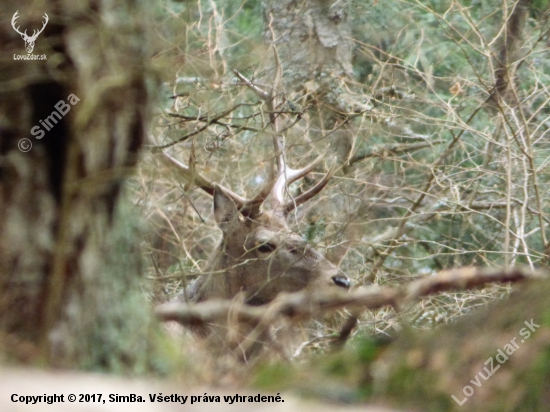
269	97
15	17
37	32
286	174
203	183
248	207
188	174
294	174
292	204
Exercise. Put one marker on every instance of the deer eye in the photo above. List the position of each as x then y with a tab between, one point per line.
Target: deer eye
267	247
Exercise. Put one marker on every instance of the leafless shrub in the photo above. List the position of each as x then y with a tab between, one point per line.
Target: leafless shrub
437	171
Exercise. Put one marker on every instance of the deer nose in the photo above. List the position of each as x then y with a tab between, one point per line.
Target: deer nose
341	280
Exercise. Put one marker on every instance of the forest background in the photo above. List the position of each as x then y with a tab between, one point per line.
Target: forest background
435	114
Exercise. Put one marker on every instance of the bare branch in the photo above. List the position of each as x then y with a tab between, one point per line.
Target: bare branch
248	207
286	175
211	120
305	305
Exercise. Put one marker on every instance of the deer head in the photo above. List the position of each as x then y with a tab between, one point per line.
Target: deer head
29	40
259	255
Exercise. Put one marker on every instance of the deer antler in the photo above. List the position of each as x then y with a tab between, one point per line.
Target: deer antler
15	17
35	32
248	207
275	185
286	175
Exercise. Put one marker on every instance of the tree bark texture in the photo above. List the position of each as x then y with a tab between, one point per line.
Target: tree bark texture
509	49
313	38
68	271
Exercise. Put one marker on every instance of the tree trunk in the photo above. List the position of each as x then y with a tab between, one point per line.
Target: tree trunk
70	127
509	49
313	38
314	41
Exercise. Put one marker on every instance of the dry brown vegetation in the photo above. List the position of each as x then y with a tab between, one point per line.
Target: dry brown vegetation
433	118
433	173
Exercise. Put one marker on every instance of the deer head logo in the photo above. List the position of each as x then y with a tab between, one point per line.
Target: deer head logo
29	40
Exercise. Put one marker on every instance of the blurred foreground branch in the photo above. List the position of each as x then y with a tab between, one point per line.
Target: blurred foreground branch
305	304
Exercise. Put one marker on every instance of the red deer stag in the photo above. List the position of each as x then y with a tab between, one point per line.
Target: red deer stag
259	255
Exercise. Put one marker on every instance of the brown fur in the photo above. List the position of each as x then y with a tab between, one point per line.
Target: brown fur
261	257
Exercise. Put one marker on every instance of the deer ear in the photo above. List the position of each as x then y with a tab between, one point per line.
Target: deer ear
225	210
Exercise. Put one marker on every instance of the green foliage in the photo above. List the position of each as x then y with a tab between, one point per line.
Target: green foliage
315	230
273	377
